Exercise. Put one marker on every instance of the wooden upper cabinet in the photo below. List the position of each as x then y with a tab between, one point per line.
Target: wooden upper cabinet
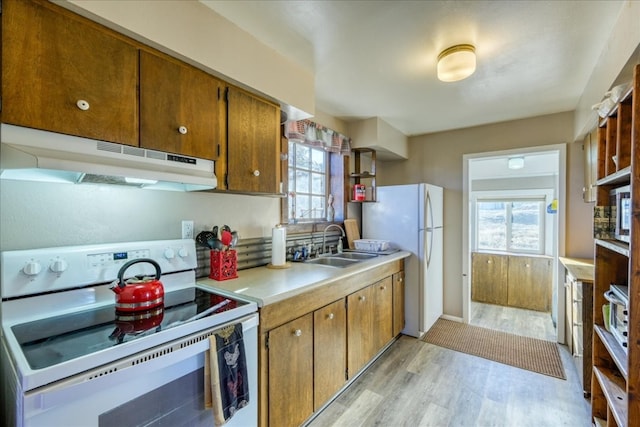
253	143
67	75
180	108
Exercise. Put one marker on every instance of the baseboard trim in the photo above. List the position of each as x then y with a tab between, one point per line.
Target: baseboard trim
452	318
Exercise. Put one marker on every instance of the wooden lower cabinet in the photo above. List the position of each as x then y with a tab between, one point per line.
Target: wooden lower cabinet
382	314
329	351
529	284
359	327
313	343
489	278
512	280
398	303
291	372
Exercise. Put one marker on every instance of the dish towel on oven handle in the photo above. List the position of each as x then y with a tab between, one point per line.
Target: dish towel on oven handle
226	379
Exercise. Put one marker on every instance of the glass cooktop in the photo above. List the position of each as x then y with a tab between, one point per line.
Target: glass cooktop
58	339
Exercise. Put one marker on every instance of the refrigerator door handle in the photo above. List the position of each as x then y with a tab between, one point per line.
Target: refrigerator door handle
430	247
430	210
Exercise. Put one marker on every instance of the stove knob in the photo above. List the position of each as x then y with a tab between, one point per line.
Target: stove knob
169	253
58	265
32	268
183	252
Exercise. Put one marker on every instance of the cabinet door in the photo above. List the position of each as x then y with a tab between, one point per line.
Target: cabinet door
180	108
359	327
398	303
382	314
291	372
489	278
530	283
330	351
253	143
67	75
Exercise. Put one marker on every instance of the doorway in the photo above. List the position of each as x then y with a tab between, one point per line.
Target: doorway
513	204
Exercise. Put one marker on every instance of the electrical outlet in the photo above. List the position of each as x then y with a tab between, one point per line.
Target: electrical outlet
187	229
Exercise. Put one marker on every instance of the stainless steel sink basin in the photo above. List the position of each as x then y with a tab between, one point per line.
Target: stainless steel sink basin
355	255
332	261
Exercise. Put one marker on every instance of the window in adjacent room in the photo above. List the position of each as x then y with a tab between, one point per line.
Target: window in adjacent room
511	225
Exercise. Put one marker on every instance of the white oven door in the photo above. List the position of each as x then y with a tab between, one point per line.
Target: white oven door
164	387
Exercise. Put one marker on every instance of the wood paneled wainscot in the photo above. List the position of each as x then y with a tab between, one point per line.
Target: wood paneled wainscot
512	280
313	344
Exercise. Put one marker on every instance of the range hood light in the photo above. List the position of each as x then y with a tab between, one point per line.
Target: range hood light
140	181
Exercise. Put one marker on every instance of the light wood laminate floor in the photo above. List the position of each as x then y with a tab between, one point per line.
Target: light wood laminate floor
418	384
528	323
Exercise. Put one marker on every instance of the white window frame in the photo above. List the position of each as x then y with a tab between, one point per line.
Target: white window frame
509	201
292	205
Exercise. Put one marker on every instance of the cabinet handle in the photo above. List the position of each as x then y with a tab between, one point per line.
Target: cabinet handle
182	130
489	261
256	172
382	288
362	298
297	332
82	104
400	279
330	316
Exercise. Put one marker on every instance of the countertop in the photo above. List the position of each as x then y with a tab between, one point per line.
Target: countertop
269	285
579	268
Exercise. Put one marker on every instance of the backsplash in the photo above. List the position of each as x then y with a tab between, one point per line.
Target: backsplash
256	252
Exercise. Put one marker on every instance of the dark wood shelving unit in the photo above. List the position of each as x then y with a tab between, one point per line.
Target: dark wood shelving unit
615	386
362	176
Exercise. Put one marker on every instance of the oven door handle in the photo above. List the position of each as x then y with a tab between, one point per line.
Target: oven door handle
613	298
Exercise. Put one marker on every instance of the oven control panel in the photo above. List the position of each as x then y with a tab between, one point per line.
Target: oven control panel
28	272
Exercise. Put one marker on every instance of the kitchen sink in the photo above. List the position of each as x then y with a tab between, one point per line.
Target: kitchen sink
332	261
355	255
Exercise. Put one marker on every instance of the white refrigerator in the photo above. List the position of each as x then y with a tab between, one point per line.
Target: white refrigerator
411	217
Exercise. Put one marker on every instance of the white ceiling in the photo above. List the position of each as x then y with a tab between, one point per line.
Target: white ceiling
378	58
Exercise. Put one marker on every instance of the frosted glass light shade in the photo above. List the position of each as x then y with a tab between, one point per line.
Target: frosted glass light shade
456	63
515	162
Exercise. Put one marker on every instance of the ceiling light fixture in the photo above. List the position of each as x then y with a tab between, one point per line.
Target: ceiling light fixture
456	63
515	162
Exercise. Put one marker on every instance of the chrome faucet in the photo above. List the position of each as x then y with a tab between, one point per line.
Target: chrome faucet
324	238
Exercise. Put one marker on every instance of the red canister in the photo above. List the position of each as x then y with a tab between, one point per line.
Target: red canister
358	193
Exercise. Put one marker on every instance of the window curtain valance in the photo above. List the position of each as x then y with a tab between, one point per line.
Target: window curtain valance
312	134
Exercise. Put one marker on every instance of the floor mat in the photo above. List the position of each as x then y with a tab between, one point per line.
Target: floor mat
522	352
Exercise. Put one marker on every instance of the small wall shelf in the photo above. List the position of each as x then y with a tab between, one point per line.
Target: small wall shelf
364	172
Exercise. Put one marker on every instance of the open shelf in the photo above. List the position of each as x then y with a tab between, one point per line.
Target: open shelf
616	370
617	246
615	350
620	177
614	389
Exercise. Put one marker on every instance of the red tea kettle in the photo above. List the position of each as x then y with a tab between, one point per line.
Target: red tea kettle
140	292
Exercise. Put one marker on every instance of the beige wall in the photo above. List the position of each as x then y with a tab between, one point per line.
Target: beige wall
35	215
437	159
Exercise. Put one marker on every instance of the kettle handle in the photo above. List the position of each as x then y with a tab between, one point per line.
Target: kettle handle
135	261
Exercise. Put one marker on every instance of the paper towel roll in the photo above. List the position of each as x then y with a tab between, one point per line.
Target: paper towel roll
278	245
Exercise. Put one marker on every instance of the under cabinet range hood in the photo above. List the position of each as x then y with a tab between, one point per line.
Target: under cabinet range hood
35	155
